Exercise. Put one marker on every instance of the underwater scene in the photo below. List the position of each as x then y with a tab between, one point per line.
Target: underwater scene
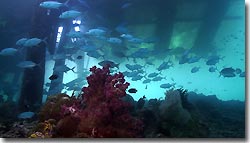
122	69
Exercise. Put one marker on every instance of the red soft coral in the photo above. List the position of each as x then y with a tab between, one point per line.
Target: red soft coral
106	114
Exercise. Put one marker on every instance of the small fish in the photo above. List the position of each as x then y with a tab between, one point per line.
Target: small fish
134	67
165	65
27	64
132	90
79	57
193	59
146	81
110	63
243	74
8	52
158	78
64	68
26	115
238	71
21	41
96	32
32	42
70	14
227	72
152	74
126	36
166	85
195	69
52	4
212	69
212	60
53	77
137	77
114	40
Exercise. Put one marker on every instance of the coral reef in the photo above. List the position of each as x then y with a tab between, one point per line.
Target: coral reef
99	112
104	110
181	114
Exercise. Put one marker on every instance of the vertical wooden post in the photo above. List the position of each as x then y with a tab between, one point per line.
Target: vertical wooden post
33	79
164	28
213	17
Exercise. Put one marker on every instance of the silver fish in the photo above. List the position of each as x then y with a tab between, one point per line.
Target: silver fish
70	14
8	52
52	4
27	64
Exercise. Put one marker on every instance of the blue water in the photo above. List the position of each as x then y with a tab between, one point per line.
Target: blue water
203	81
228	43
